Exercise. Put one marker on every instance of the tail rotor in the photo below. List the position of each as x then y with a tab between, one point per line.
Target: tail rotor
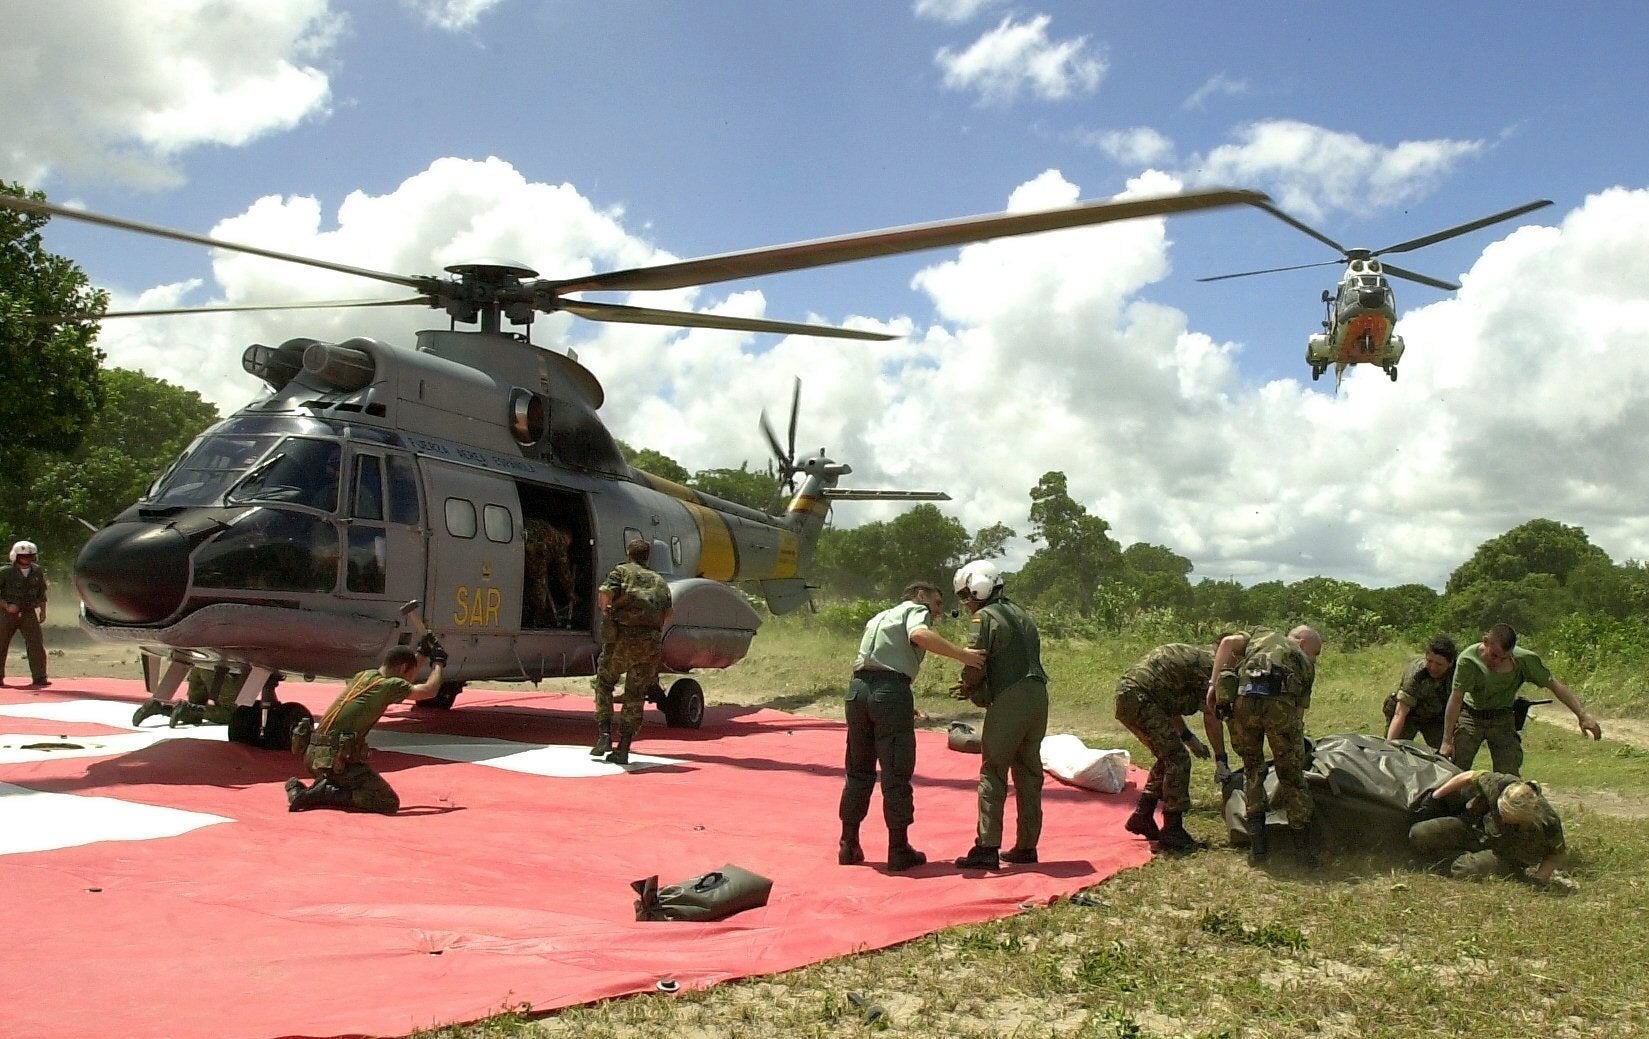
784	455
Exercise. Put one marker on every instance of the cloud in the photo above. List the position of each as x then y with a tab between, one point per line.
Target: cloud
1136	146
1312	171
952	11
451	15
117	91
1017	56
1521	396
1219	83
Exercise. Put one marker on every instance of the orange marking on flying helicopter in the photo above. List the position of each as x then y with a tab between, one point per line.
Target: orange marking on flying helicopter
1374	329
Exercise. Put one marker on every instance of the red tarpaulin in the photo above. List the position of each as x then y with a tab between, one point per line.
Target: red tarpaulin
156	885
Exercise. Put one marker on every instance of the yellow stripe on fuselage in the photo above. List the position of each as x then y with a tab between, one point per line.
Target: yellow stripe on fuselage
673	489
816	506
718	560
790	551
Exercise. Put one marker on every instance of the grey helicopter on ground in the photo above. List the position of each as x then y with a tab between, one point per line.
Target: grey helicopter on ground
1362	310
466	487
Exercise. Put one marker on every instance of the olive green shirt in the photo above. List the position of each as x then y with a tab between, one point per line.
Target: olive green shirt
20	589
1484	690
1526	845
1174	677
1007	636
364	701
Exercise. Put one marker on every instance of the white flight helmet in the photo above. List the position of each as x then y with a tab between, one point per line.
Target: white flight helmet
978	580
23	548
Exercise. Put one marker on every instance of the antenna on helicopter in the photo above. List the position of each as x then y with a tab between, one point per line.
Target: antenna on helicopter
785	457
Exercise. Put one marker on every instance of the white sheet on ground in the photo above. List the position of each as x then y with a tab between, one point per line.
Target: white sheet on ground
1069	760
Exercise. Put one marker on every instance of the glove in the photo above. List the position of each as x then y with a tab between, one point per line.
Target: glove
1426	806
438	655
428	644
1222	772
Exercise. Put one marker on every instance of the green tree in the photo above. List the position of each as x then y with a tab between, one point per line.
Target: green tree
48	368
1540	546
990	542
1157	577
651	461
752	487
144	424
877	560
1404	607
1077	556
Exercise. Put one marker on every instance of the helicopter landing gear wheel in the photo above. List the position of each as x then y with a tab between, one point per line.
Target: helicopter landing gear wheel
279	723
1317	372
684	704
443	699
246	725
1393	373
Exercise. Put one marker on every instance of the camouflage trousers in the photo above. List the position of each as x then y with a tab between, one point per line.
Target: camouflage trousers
1280	721
1451	840
219	708
368	791
638	660
1170	778
1496	728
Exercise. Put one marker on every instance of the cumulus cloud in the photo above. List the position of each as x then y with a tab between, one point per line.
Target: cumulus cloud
1019	56
118	90
1136	146
451	15
1520	397
952	11
1312	171
1219	83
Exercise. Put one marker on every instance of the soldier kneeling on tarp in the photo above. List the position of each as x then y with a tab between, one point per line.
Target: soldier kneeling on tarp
335	749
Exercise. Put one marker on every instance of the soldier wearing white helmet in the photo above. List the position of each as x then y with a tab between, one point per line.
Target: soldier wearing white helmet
1013	689
23	593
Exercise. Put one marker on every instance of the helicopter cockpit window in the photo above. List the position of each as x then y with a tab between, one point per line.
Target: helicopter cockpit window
271	550
300	471
208	468
500	527
403	490
367	499
460	518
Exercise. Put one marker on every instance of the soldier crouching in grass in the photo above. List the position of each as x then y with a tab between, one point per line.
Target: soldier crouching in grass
336	751
1152	699
1488	824
881	720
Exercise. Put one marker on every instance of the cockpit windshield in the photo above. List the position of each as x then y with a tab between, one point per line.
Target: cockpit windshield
207	469
301	471
252	468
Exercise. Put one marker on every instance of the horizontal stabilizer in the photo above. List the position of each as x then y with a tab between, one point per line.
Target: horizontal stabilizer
848	494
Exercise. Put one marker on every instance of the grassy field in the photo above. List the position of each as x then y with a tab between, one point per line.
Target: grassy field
1205	946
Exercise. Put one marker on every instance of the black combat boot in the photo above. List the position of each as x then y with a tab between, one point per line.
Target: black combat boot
1174	836
149	708
900	855
980	857
1144	819
603	740
620	754
1019	856
324	794
187	714
848	852
1305	849
1257	849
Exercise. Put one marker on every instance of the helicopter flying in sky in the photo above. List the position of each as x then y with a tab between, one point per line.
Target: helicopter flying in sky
1362	310
467	487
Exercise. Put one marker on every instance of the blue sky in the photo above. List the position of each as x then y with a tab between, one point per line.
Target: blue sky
624	129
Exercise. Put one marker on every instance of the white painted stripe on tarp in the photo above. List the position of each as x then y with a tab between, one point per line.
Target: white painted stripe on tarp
33	820
554	761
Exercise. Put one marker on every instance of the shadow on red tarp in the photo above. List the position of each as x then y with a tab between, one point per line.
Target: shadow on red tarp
491	889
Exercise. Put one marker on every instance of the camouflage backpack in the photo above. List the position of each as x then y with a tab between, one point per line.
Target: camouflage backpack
643	601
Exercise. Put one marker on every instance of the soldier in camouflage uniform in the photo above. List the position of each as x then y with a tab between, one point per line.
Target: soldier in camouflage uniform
635	606
23	595
1262	687
1422	695
1153	697
1489	824
336	751
1012	687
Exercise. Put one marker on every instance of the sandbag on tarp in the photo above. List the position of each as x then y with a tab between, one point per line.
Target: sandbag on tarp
1361	788
963	738
709	896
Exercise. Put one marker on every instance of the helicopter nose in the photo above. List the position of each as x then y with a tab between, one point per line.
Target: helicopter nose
1373	299
133	573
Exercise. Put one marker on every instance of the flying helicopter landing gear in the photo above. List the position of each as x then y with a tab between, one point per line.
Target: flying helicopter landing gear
683	705
1392	371
1317	371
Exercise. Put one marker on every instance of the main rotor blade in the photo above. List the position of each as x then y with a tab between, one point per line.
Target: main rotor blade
29	205
687	319
1274	270
1424	279
795	399
229	308
1300	226
1439	236
894	241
